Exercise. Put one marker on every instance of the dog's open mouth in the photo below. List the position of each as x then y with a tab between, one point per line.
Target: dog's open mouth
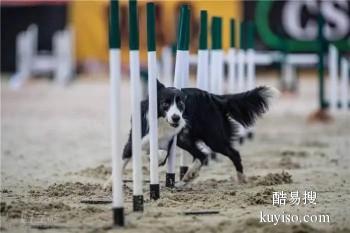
174	124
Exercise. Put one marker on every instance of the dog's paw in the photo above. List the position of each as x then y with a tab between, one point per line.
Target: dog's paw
180	184
190	175
193	171
241	178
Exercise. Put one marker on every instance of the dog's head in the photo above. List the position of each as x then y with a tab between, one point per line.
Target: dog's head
171	105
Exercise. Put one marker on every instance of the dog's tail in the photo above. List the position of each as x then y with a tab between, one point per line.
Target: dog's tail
247	106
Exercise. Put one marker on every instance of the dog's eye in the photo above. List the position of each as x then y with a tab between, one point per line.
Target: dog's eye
165	105
181	105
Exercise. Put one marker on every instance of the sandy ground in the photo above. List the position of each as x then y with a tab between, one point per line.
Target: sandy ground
56	153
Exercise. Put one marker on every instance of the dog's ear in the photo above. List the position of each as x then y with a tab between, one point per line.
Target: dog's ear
159	85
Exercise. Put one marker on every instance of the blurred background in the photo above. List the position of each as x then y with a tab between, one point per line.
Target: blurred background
81	27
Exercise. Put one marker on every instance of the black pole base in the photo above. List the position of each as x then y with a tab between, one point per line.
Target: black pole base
250	135
213	156
118	216
137	201
183	170
241	140
154	191
170	180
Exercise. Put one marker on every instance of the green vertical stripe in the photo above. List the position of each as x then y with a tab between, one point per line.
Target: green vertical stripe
203	31
114	31
151	30
216	33
232	33
133	26
242	35
183	28
250	34
188	28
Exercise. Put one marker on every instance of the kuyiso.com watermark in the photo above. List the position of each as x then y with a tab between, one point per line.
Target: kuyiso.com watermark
294	198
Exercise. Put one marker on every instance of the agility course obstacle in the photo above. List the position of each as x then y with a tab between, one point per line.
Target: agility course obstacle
152	103
30	61
338	71
338	97
136	106
180	80
115	113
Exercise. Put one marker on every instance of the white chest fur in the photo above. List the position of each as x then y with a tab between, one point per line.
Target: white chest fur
165	134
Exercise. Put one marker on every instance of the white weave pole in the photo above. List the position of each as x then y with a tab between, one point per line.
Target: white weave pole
181	64
167	65
152	101
115	117
184	155
345	84
136	107
171	163
333	77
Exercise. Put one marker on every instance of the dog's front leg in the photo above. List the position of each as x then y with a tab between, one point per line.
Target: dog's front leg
162	157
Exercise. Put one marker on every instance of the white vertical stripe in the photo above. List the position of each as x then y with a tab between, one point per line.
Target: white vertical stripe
153	116
185	77
232	76
203	70
240	71
345	84
115	111
182	63
185	68
250	69
216	71
333	75
136	122
167	62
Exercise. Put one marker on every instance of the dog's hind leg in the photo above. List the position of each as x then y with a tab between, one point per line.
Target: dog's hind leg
235	157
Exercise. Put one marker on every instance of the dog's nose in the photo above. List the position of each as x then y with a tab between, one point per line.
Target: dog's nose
175	118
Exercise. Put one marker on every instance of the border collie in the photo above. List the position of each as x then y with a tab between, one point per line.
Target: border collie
198	117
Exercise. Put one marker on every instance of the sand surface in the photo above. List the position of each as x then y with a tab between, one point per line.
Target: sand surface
56	154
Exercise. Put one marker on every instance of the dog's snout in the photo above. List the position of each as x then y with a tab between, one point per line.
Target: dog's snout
175	118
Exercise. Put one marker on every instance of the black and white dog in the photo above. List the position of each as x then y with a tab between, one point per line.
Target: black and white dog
198	117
